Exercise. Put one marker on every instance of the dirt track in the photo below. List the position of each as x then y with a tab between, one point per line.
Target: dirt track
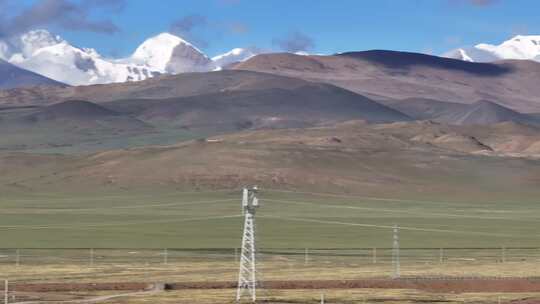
68	287
434	285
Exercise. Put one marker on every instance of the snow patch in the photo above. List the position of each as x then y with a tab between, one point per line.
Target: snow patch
521	47
232	56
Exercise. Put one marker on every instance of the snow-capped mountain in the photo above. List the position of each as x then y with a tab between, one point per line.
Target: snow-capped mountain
171	54
49	55
519	47
232	56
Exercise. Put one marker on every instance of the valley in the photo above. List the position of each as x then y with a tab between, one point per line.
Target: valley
139	181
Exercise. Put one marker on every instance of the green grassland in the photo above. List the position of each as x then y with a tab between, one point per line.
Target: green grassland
172	219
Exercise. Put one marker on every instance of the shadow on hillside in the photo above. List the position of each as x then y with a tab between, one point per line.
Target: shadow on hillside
406	60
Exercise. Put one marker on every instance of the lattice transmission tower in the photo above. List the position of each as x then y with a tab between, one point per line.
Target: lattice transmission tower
395	253
247	276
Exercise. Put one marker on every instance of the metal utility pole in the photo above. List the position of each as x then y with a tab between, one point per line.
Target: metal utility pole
395	253
247	280
6	291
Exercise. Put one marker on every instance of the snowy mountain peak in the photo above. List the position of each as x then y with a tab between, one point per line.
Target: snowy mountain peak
157	52
32	41
521	47
534	39
40	38
25	45
232	56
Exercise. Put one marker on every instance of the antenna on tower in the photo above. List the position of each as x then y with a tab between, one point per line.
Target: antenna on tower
245	194
247	280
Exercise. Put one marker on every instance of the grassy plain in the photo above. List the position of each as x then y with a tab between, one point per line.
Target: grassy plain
172	219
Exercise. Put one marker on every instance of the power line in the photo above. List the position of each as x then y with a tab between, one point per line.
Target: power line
389	227
374	198
39	197
387	210
98	225
159	205
141	206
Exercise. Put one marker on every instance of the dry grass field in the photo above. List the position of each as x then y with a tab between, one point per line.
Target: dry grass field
149	266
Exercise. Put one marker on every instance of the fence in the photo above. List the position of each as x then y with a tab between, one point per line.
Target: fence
26	266
410	258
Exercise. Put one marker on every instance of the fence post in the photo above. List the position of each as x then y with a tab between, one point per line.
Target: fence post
91	257
235	254
374	255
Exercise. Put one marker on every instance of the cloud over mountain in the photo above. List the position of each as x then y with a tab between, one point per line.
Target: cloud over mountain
295	42
66	14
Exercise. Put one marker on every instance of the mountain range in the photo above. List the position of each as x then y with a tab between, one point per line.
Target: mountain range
388	75
180	87
174	117
274	89
51	56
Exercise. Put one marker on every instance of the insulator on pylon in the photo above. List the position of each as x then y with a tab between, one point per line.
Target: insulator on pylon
245	197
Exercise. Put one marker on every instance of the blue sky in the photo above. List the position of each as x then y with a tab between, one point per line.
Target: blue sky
117	27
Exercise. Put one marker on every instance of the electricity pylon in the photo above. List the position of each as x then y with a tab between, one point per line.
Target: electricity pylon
395	253
247	279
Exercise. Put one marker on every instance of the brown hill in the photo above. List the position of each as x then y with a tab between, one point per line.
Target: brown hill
349	157
400	75
289	106
72	110
167	86
15	77
485	112
504	139
479	113
424	108
72	125
236	100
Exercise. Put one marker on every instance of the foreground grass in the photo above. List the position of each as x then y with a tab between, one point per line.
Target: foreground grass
221	268
387	296
330	296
